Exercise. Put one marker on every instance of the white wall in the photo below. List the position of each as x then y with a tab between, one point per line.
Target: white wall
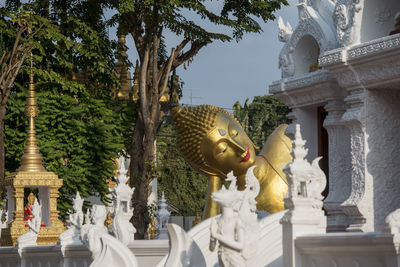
383	157
307	118
378	18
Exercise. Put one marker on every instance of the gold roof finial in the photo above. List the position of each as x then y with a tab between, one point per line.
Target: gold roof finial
31	161
135	88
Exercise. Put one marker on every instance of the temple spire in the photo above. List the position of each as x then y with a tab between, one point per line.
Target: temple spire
31	161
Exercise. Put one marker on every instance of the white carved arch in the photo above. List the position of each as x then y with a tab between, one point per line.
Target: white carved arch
311	23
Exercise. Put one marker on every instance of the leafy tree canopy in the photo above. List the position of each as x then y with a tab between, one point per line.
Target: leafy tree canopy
78	130
260	118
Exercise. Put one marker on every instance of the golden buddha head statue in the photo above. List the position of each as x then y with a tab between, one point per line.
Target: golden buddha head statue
212	140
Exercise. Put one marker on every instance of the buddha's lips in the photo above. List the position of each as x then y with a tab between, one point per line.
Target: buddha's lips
246	158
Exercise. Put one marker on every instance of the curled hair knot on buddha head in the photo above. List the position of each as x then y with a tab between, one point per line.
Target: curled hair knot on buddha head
192	124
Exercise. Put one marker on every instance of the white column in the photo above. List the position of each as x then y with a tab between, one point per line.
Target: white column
10	204
339	166
359	205
44	198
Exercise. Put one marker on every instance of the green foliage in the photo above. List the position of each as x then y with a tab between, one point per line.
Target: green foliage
240	16
260	118
78	129
184	187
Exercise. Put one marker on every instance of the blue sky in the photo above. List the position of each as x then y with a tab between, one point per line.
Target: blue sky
223	73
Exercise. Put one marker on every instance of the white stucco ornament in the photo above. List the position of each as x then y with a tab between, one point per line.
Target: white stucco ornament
106	250
305	180
347	21
163	217
121	226
237	230
29	238
392	222
72	235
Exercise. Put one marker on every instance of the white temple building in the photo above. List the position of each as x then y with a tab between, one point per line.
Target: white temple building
348	106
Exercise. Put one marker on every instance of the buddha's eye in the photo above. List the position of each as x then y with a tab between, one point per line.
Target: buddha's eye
234	133
221	148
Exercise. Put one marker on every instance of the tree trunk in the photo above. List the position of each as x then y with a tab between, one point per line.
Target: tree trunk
2	151
142	173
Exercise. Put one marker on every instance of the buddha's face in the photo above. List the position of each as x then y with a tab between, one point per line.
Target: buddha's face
227	147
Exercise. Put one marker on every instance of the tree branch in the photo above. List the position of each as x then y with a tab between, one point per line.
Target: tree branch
166	73
142	88
178	49
194	49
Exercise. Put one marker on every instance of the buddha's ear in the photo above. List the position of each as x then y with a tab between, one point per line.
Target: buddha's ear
207	170
255	147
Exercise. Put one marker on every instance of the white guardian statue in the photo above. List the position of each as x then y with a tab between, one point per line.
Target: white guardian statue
29	238
237	229
106	250
72	236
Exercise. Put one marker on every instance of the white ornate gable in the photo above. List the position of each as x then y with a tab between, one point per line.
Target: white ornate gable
315	21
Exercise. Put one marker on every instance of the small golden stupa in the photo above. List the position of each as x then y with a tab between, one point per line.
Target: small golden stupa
30	174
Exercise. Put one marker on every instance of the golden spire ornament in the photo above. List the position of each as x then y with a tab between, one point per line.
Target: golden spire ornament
135	88
32	174
31	161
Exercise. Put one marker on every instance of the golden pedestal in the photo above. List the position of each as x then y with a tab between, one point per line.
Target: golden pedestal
48	184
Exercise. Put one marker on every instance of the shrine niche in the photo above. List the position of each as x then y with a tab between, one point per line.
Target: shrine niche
306	55
32	174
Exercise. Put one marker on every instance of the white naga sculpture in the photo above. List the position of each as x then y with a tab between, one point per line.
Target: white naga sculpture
163	218
285	31
106	250
121	226
73	234
237	229
29	238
